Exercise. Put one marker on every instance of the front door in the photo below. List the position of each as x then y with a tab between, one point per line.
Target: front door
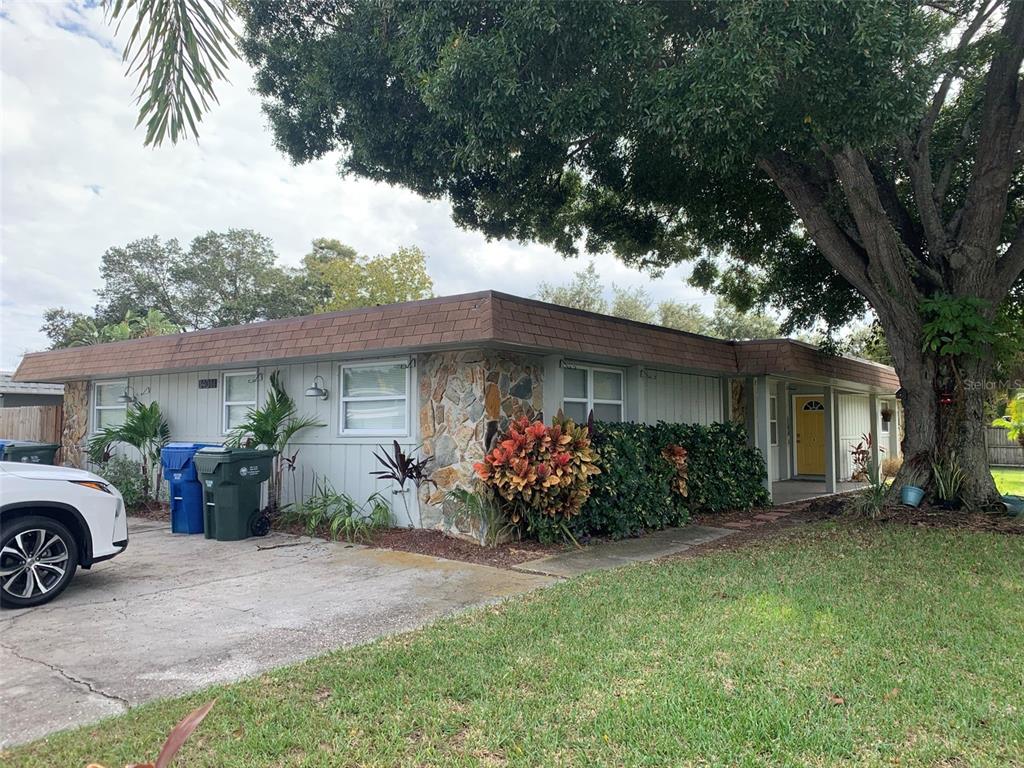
810	435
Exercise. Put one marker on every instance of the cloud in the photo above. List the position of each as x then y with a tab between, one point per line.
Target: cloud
77	180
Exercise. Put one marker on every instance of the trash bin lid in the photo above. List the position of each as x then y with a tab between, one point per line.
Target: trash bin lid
178	455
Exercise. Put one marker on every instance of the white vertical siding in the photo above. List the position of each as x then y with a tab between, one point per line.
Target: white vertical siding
681	398
196	415
854	421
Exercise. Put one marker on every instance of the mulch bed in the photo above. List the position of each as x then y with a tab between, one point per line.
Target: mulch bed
936	517
437	544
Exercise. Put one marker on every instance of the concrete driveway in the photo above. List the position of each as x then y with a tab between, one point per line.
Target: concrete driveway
175	614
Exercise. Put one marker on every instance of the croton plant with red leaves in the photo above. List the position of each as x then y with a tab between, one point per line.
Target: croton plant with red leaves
541	468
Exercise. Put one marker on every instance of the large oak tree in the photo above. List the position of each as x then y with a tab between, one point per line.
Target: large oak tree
826	153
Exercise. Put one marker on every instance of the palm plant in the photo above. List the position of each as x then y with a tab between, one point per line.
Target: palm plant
1013	419
145	429
273	425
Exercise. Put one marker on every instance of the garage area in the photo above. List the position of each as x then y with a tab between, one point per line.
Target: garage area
175	614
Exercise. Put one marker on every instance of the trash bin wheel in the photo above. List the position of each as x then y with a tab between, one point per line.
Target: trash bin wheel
260	526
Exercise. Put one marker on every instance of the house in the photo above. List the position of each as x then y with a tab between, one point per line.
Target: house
15	394
444	374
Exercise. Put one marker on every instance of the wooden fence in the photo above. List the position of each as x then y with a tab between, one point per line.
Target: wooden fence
1001	450
31	422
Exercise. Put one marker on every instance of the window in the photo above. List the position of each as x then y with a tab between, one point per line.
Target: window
239	397
375	399
886	423
592	389
814	405
773	418
108	410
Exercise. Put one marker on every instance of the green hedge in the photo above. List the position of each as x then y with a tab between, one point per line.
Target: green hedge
633	492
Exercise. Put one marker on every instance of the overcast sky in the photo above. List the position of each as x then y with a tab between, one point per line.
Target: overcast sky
77	180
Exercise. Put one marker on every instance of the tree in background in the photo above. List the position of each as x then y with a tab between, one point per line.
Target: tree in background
729	323
153	287
682	317
585	291
76	329
633	304
340	278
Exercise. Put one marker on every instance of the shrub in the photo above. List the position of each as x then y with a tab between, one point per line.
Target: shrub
645	469
483	509
541	472
125	475
633	493
338	515
891	467
723	472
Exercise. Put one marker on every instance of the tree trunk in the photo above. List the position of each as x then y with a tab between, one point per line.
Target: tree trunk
944	418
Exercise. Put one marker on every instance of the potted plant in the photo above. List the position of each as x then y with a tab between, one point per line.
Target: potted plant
949	482
886	414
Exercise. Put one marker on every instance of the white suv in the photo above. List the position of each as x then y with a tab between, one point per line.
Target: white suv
52	520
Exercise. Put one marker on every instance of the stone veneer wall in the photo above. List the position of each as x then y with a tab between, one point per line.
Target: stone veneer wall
76	423
465	399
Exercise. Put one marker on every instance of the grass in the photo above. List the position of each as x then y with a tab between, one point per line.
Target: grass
844	645
1009	480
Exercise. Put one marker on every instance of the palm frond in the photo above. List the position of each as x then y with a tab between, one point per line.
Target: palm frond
177	50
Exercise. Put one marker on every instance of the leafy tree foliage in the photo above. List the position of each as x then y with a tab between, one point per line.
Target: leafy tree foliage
633	304
153	286
342	279
586	291
826	154
682	317
76	329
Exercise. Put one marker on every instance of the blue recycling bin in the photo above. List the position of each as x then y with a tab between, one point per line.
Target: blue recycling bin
186	491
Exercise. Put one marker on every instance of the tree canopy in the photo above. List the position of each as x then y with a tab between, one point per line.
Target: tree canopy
153	286
586	291
821	155
342	279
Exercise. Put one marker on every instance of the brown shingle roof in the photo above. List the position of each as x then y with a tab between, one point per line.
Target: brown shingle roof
471	319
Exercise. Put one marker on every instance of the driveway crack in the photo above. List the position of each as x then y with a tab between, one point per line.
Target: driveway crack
123	702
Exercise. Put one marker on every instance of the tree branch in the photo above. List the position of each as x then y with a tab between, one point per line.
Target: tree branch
803	188
1011	264
999	140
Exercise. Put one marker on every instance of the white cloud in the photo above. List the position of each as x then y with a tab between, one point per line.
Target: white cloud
77	180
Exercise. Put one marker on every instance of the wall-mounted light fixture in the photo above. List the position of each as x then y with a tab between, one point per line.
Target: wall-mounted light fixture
130	396
318	390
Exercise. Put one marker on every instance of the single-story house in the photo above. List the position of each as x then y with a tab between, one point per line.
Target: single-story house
17	394
442	375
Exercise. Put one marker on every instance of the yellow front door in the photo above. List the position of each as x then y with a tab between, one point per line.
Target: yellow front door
810	435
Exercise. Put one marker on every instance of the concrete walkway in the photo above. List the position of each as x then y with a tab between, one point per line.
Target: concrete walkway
175	614
615	554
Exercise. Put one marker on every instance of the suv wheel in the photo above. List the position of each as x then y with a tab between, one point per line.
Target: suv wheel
38	557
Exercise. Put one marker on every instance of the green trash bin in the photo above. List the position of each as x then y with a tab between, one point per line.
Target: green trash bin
232	479
28	451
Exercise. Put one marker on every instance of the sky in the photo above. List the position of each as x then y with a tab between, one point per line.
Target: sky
76	180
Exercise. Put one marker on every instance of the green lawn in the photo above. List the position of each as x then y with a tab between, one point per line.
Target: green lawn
1009	480
842	645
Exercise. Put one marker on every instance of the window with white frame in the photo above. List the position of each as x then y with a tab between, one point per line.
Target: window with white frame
375	399
773	418
592	389
239	397
108	411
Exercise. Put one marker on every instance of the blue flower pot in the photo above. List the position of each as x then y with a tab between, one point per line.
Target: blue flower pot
911	495
1014	505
